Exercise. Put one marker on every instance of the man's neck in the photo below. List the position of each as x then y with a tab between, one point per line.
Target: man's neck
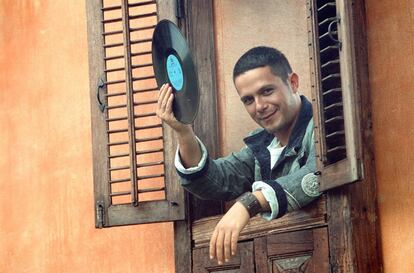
283	135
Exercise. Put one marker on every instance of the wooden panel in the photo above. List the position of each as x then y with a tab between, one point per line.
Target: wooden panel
200	35
301	251
312	216
243	261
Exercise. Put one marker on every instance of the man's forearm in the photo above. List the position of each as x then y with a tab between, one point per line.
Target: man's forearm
189	149
262	200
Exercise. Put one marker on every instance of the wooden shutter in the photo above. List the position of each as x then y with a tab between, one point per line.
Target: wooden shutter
334	92
130	146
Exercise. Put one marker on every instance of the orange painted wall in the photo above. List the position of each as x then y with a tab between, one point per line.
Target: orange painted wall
391	68
46	190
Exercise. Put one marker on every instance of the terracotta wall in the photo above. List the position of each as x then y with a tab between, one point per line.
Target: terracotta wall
241	25
46	191
391	58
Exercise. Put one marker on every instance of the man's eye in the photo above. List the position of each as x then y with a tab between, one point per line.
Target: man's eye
267	91
247	101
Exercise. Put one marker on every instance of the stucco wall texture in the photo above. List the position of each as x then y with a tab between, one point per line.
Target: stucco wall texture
46	188
46	193
391	71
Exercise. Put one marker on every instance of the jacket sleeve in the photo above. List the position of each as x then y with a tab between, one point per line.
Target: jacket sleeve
222	179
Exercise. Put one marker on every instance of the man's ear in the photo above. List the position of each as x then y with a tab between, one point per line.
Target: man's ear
294	82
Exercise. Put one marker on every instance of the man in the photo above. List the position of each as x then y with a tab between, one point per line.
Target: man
274	173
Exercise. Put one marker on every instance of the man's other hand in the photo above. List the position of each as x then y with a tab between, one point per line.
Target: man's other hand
223	243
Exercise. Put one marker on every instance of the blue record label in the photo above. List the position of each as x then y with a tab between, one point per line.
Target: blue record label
175	72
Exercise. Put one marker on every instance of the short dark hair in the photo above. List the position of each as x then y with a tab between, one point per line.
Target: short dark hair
262	56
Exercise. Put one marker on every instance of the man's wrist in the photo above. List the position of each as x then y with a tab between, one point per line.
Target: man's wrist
251	203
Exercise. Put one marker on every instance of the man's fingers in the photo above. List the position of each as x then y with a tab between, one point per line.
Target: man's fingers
168	107
227	246
234	239
219	247
161	95
213	244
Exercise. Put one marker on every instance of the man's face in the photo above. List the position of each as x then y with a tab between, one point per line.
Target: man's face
272	103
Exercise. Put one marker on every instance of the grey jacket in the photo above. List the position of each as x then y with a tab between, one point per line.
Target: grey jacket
292	177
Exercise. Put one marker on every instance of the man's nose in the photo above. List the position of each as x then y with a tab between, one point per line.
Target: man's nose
260	105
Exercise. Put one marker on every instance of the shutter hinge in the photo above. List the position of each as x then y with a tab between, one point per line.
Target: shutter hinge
179	11
100	86
100	213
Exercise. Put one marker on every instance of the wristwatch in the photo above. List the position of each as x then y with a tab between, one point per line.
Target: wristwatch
251	203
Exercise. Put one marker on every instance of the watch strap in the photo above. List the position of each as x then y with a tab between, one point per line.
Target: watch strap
251	203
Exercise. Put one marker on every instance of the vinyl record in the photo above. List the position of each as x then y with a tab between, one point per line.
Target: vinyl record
173	64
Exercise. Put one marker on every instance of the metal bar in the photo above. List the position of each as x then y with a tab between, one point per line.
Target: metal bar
151	190
148	126
150	151
118	143
116	106
109	21
117	131
337	104
118	155
340	148
130	100
337	118
152	114
119	168
141	4
145	90
115	94
141	65
145	102
112	32
113	57
119	180
139	140
114	82
120	193
111	8
112	45
140	53
116	119
142	177
150	164
332	76
114	69
141	41
336	134
143	78
142	16
142	28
